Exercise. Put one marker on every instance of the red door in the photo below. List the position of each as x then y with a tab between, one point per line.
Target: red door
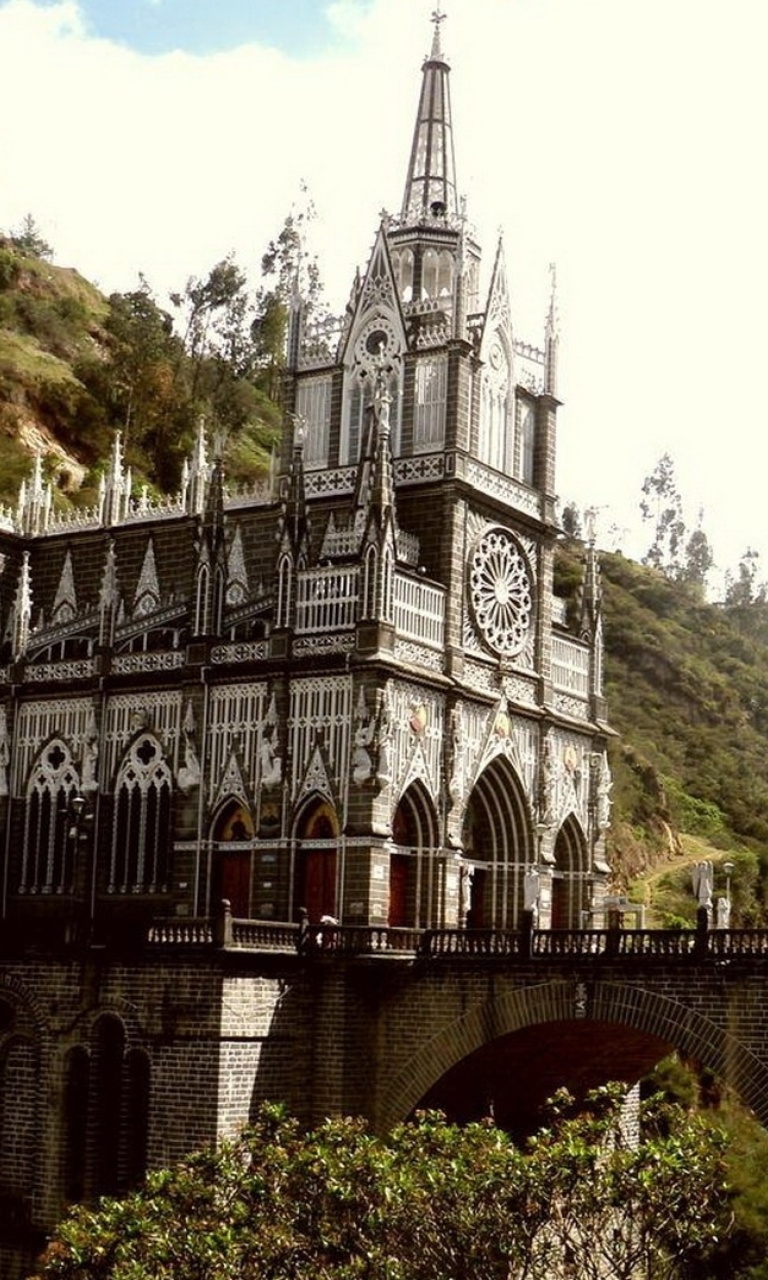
476	913
399	869
316	883
234	881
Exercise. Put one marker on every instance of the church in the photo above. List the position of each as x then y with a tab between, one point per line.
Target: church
347	700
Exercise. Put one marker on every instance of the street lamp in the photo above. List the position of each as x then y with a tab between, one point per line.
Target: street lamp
728	869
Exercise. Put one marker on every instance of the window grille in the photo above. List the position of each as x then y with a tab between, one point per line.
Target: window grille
142	820
430	402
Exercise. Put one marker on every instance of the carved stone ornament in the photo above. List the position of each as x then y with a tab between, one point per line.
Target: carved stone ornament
500	591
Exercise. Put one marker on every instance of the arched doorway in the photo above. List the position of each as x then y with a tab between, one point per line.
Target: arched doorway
317	834
498	845
571	896
416	880
231	878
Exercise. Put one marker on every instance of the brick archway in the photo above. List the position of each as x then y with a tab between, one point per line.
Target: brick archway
658	1016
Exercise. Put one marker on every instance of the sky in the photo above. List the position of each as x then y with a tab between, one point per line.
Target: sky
623	141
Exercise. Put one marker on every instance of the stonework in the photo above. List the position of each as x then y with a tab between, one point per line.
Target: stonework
344	698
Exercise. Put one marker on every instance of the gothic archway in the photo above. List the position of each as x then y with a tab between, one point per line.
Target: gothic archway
497	838
315	869
232	833
571	897
416	877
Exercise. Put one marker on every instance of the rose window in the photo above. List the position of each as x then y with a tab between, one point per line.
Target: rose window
500	591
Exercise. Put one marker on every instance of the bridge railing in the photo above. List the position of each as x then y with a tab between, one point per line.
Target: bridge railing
317	940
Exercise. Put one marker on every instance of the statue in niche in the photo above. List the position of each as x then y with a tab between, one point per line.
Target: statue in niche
190	772
5	754
362	763
546	784
270	762
603	798
456	780
384	737
90	764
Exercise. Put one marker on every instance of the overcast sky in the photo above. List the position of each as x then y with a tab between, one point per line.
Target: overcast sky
623	140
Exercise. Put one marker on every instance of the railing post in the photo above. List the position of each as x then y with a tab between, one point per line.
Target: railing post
702	928
222	927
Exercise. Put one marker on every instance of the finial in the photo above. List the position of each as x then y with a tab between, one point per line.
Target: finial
437	17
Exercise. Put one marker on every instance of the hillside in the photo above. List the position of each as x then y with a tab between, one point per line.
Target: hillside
687	690
76	367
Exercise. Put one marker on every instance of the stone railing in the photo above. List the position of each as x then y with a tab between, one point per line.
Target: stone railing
419	609
570	666
589	945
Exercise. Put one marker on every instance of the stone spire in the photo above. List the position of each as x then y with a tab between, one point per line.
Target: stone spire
552	337
33	509
115	487
430	187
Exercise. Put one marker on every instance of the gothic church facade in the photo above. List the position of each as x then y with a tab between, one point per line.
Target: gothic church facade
350	694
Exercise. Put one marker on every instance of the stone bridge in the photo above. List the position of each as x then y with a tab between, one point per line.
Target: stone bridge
385	1021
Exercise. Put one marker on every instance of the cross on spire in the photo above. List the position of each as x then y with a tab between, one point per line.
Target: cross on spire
438	17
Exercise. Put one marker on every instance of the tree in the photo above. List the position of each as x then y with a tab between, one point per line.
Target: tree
662	506
432	1201
697	561
745	589
29	239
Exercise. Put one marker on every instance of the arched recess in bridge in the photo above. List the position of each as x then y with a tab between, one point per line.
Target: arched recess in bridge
415	878
507	1055
497	839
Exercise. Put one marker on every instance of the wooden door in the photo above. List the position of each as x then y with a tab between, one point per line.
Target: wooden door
399	877
234	881
316	883
476	913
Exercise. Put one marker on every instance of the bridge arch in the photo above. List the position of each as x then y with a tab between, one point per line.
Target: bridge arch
658	1024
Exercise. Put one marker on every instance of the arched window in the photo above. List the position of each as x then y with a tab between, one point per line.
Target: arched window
359	397
497	401
402	262
106	1114
202	607
142	820
77	1068
284	591
527	437
430	266
47	865
370	563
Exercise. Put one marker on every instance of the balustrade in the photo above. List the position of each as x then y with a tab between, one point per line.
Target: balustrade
570	666
327	599
419	610
539	945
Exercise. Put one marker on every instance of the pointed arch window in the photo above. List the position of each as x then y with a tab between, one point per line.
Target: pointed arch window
359	396
142	820
402	263
497	405
430	403
284	591
527	438
313	409
202	605
48	860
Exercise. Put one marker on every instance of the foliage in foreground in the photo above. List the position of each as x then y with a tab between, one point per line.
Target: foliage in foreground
431	1201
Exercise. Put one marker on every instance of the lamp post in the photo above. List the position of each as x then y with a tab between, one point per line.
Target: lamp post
728	869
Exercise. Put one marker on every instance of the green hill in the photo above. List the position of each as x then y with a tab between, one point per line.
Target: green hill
76	367
687	690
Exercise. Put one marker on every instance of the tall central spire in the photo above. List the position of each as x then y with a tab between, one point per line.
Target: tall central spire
430	187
